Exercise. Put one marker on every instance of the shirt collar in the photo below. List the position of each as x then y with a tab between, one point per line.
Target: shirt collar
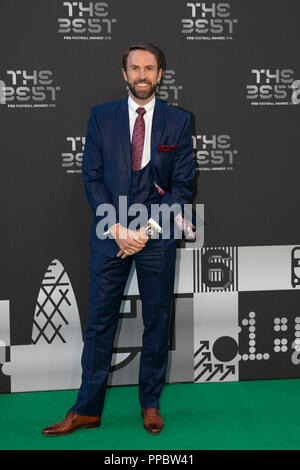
134	106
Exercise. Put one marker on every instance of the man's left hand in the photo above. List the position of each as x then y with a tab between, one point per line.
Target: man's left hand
140	234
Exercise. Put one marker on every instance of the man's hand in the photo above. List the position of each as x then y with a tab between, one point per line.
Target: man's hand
129	241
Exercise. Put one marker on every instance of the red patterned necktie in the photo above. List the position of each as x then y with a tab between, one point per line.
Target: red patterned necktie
137	142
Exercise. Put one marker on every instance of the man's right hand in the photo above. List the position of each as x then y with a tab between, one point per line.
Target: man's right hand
129	241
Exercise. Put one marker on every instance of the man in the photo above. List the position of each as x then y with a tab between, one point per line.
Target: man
141	148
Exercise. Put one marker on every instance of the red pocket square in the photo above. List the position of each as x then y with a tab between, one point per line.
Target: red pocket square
166	148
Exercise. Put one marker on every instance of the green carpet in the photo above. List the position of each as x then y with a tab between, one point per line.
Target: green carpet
234	415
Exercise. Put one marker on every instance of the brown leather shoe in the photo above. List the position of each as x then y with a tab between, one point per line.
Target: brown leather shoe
72	422
153	421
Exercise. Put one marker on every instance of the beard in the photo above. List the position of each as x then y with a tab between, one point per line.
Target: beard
142	94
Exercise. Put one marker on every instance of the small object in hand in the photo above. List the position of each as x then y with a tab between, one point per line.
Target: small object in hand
153	228
188	229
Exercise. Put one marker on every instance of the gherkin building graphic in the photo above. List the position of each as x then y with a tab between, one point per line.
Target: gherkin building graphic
56	316
52	360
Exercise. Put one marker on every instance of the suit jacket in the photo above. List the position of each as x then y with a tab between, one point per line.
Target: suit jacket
106	164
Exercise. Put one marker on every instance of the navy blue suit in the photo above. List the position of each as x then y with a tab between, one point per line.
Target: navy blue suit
106	163
108	174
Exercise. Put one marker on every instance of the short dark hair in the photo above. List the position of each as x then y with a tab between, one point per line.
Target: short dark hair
144	46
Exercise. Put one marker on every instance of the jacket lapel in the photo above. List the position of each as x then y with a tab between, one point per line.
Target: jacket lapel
158	129
157	126
125	136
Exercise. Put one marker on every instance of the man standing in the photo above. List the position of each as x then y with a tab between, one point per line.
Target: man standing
141	148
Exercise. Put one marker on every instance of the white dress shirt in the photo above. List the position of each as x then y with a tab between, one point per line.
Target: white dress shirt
149	107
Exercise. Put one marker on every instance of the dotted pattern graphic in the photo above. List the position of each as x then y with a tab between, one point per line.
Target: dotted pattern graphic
280	324
297	327
280	345
297	334
250	322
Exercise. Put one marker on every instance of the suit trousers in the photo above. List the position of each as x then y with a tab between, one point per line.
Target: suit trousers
155	268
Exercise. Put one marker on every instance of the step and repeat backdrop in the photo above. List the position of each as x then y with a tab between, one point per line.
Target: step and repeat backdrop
235	67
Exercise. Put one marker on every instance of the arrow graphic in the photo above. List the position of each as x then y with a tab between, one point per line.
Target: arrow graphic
219	368
205	345
229	369
206	368
206	357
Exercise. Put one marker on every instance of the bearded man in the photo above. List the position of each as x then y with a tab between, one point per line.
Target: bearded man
141	148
